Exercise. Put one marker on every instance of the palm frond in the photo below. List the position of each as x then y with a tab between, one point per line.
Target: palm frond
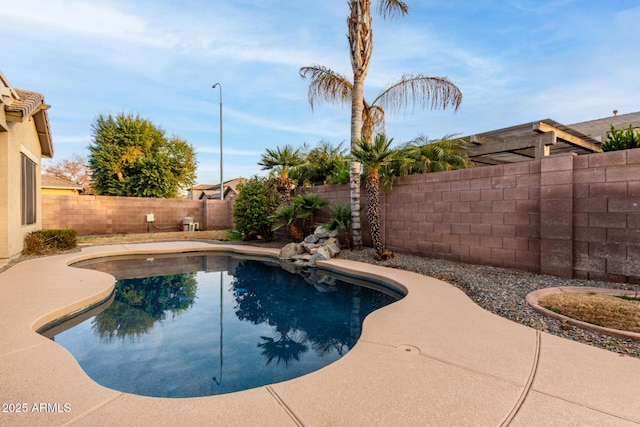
326	85
392	8
420	91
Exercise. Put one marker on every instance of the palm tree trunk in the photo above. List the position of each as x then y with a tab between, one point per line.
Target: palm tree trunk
373	210
361	44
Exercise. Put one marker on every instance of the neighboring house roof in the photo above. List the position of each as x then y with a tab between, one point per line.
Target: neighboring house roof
599	128
50	181
528	141
20	105
212	191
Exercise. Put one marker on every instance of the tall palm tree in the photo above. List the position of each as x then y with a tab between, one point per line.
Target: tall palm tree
360	37
375	157
281	160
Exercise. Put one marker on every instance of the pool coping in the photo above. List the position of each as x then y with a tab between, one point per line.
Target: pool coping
468	367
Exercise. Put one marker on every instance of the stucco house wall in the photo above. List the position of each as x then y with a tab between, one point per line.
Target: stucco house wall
24	130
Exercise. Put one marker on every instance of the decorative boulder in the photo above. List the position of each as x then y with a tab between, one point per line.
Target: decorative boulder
322	245
289	251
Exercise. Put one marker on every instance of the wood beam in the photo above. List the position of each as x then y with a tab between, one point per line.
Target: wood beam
521	143
479	139
542	127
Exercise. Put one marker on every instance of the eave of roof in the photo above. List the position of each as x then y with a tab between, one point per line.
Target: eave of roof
31	104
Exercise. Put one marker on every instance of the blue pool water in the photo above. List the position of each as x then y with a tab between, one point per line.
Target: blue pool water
186	326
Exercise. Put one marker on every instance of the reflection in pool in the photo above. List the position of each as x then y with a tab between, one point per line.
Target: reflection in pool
185	326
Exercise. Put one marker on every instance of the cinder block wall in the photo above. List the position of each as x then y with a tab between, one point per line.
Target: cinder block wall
607	216
487	215
91	215
568	216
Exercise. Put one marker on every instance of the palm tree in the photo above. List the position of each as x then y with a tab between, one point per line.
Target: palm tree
375	157
408	93
281	161
287	215
307	205
447	153
341	220
324	164
360	35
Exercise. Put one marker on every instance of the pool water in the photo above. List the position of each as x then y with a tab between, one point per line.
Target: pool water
187	326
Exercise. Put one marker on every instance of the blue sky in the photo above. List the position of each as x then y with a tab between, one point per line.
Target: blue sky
515	61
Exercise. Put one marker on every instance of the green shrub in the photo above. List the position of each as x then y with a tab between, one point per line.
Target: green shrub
621	139
43	242
257	200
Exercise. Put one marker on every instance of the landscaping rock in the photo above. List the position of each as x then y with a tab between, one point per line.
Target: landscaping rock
321	245
289	251
311	238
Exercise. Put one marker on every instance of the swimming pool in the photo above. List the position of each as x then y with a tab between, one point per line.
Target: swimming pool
199	325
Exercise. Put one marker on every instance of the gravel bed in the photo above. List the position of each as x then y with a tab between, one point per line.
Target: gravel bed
503	291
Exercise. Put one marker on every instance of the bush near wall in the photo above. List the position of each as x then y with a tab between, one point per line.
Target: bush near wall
43	242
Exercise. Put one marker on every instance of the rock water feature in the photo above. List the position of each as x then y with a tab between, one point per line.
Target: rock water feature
322	245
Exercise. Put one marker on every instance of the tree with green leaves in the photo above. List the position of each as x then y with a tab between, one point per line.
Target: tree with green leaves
375	157
281	161
257	200
130	156
621	139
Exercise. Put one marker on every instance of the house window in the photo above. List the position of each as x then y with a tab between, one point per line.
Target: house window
28	190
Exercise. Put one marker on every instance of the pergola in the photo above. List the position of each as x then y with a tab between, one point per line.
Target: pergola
527	142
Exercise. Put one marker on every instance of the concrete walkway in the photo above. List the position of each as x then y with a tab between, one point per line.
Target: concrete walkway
433	358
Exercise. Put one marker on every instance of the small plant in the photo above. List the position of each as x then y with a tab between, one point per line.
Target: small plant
307	205
233	235
287	215
621	139
628	298
44	242
552	308
341	220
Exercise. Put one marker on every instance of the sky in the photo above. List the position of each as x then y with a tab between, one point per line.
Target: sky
515	61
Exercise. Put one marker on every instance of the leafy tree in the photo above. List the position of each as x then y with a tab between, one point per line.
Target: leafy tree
130	156
282	160
257	200
375	157
621	139
74	169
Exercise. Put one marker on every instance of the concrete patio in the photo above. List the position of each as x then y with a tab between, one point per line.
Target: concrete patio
433	358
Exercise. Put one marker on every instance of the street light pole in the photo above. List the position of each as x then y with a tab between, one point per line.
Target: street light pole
221	178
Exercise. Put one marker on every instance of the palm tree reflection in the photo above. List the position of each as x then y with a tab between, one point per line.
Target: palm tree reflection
284	349
326	319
